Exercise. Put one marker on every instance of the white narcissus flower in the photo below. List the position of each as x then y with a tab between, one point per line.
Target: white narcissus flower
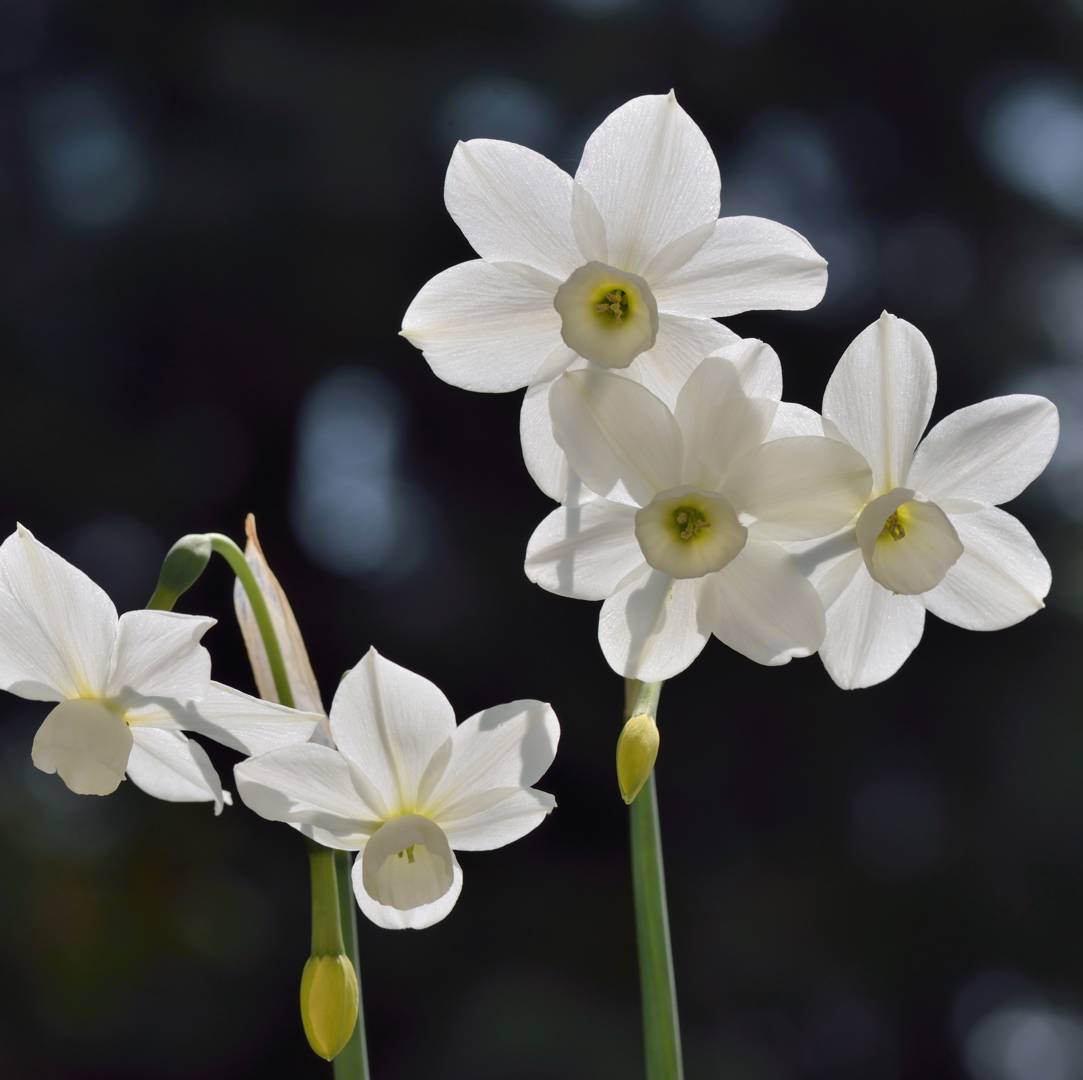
406	788
625	267
930	536
683	537
126	687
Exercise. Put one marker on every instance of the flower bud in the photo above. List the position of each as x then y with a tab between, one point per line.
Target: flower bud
329	1003
184	563
637	749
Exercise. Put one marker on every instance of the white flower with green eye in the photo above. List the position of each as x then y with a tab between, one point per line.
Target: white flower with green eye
406	788
623	268
126	686
683	537
929	537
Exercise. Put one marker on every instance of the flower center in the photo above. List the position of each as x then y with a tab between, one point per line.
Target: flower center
687	533
894	527
607	315
690	521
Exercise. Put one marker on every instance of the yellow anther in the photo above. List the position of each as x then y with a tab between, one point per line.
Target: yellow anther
893	527
690	522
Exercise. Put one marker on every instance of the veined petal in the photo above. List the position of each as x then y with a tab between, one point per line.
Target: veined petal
389	722
168	766
880	396
496	818
588	226
988	452
584	551
507	746
513	205
799	488
870	633
999	580
650	628
407	876
306	691
158	655
792	420
829	562
747	264
545	460
234	719
618	436
418	918
87	744
653	176
758	367
718	421
681	345
483	326
57	628
763	607
310	785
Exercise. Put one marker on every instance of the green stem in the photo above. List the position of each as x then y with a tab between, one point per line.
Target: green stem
355	1055
661	1025
326	914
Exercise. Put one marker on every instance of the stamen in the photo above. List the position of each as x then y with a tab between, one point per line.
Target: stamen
893	527
408	852
690	522
614	304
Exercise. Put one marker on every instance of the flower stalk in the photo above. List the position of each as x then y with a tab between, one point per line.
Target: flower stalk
661	1024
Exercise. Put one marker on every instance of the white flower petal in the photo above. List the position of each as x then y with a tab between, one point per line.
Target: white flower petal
57	628
718	421
496	818
870	633
507	746
311	785
1000	579
513	205
234	719
988	452
389	722
584	551
158	655
681	345
618	436
306	691
588	226
168	766
407	876
908	545
747	264
793	420
799	488
545	460
763	607
757	364
650	629
653	177
87	744
829	563
880	396
484	327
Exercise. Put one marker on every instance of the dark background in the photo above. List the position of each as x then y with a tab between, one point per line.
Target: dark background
213	216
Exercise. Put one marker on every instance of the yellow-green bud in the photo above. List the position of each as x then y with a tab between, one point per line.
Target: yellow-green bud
328	1003
637	750
184	563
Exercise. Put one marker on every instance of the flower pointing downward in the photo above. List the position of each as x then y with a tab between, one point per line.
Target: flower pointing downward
406	787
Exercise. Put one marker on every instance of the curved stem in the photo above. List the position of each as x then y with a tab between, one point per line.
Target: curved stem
661	1024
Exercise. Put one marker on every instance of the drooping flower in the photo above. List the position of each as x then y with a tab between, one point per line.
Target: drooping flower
406	788
682	538
929	537
623	268
126	687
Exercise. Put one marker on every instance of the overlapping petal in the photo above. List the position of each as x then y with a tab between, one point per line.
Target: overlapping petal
649	628
880	396
987	452
483	326
513	205
158	655
498	817
168	766
389	722
746	264
584	551
619	438
653	177
57	627
1000	579
763	607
